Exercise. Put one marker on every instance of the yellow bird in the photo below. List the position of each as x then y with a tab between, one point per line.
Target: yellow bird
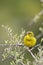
29	39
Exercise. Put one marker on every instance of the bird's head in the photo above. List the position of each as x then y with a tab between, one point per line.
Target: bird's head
30	33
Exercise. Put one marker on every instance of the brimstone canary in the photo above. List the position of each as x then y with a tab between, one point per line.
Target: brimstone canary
29	39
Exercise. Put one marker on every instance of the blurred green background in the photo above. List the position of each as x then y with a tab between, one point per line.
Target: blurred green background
18	14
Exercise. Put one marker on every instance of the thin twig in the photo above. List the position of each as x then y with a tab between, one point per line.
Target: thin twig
35	46
31	54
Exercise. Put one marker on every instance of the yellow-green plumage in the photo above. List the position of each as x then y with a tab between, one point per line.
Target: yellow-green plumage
29	40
